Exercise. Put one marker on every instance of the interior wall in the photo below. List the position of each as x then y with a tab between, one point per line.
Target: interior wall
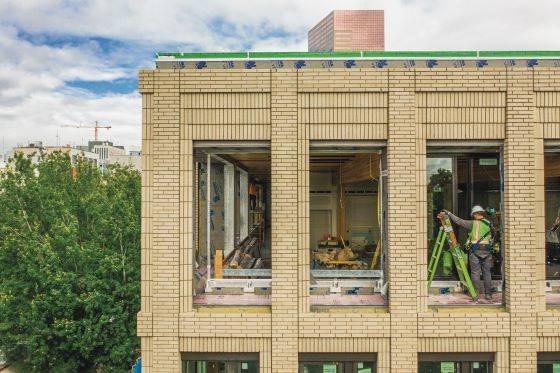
361	223
362	226
323	201
243	201
216	210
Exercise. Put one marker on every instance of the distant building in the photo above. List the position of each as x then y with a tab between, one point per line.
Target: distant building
348	30
3	162
106	151
35	149
101	153
133	159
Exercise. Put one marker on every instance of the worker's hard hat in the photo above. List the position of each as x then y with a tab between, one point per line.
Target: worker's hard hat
476	209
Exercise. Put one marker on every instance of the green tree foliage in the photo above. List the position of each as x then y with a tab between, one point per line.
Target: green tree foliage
69	266
439	189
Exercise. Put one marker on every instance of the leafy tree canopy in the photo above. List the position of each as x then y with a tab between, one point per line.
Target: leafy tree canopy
69	265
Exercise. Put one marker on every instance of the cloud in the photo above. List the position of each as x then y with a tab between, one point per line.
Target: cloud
66	61
35	98
40	115
428	24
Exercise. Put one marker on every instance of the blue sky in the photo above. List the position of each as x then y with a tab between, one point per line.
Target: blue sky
67	61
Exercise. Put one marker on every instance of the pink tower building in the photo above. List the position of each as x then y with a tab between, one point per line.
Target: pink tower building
348	30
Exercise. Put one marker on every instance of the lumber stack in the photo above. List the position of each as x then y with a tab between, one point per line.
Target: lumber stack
364	167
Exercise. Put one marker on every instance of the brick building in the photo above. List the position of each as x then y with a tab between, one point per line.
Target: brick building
254	164
348	30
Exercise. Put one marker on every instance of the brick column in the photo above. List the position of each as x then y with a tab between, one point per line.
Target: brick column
401	156
303	214
284	154
519	222
165	222
540	218
144	319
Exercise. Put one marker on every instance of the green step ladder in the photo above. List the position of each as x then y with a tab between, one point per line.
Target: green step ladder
446	234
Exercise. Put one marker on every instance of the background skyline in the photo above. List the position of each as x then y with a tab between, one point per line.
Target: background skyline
67	62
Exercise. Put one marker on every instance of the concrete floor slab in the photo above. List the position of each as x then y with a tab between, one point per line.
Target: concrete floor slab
553	299
232	300
348	300
460	299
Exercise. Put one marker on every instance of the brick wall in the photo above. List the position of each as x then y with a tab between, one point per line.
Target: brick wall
290	108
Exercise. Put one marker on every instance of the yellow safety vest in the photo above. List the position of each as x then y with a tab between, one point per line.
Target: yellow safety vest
480	228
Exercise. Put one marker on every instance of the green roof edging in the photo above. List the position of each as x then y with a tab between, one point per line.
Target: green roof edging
305	54
359	54
519	54
421	54
202	55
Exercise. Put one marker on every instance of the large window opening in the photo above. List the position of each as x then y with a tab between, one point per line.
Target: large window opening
552	223
347	225
232	226
455	362
458	181
337	363
220	363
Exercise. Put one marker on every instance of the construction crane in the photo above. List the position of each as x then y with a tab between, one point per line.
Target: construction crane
95	126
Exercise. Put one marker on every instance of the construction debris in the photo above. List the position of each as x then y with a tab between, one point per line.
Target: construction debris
246	254
334	253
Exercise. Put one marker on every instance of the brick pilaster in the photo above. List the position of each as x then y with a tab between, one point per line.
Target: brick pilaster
284	169
519	207
165	222
401	157
144	318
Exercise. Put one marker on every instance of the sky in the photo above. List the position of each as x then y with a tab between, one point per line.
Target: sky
75	62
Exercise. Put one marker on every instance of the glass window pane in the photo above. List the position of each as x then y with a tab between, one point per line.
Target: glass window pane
552	215
455	367
480	367
440	196
429	367
548	367
220	367
323	367
365	367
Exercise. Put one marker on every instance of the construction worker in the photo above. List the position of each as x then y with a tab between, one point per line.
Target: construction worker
479	246
253	194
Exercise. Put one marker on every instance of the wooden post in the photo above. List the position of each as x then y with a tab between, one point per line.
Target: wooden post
218	260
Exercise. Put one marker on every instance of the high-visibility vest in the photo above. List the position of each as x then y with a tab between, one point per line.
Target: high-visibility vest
479	229
252	189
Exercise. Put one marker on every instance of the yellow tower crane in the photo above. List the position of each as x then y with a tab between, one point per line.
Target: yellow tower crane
95	126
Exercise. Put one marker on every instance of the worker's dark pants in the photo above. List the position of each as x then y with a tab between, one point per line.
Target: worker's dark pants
253	201
481	262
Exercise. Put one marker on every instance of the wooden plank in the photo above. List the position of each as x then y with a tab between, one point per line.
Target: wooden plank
552	165
364	167
218	259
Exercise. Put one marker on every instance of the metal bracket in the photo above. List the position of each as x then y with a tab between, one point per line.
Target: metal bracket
248	285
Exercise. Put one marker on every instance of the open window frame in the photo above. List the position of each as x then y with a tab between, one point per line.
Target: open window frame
348	251
456	185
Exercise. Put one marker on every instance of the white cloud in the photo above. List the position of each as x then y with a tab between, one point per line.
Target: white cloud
34	99
40	115
429	24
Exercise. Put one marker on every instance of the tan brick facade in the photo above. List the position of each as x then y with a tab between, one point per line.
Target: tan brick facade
407	108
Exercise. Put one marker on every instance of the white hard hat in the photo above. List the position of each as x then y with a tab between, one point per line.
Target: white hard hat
476	209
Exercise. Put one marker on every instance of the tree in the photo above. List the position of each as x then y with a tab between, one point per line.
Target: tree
439	185
69	265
